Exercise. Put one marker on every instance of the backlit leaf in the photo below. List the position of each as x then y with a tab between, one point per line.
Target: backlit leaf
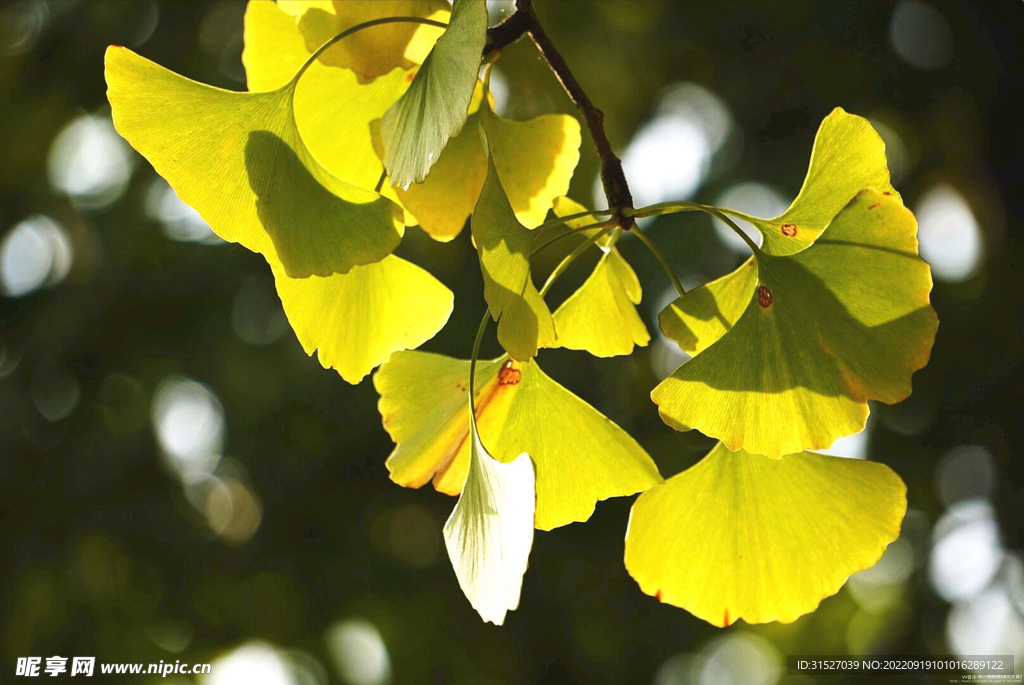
580	456
356	320
490	532
417	127
848	156
239	160
705	314
524	320
535	160
280	37
601	317
825	330
742	536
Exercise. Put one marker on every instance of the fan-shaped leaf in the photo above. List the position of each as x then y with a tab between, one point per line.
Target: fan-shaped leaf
417	127
848	156
239	160
743	536
826	329
601	317
535	160
281	36
356	320
581	457
524	320
490	531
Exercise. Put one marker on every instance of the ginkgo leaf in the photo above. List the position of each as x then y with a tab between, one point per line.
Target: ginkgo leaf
535	160
601	317
581	457
490	532
739	535
417	127
239	160
524	320
825	330
280	37
704	314
356	320
848	156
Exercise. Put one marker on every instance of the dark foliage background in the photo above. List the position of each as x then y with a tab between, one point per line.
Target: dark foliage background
121	322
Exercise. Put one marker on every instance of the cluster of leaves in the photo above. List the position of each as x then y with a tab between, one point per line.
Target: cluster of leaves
364	118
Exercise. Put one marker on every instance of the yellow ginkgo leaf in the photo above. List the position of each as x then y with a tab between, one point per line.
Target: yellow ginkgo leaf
278	32
356	320
524	320
490	532
844	321
535	160
742	536
581	457
601	317
239	160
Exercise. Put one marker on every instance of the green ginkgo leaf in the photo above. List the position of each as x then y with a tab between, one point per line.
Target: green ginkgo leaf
825	330
742	536
356	320
239	160
417	127
704	314
524	320
581	457
490	532
848	156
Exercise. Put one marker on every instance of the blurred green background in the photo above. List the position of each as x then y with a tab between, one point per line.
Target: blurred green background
178	481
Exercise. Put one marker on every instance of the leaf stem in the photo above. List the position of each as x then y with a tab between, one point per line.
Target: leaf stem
559	220
571	257
571	232
720	213
660	256
472	360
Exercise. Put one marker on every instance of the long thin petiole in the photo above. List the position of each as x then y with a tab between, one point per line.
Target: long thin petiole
474	357
571	257
660	256
720	213
572	232
559	220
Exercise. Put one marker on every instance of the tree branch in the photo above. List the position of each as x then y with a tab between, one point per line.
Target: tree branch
524	21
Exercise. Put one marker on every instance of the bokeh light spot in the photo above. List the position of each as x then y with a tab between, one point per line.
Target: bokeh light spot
359	653
950	237
90	163
920	35
189	423
34	254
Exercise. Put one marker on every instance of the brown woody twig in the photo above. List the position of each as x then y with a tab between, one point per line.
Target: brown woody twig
524	22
